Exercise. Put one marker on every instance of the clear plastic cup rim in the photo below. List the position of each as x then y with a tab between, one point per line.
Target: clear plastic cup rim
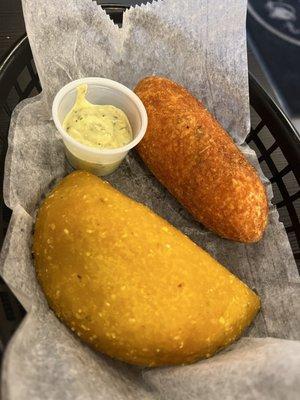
111	84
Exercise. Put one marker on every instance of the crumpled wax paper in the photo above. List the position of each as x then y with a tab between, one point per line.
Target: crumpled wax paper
200	44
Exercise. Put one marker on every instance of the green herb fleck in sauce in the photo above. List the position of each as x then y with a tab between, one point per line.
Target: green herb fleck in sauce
101	126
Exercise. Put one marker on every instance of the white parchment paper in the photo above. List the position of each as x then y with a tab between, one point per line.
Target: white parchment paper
202	45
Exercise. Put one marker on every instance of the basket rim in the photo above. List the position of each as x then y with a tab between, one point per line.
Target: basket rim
270	113
253	83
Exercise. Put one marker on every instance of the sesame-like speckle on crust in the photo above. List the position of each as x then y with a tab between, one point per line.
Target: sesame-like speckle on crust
138	289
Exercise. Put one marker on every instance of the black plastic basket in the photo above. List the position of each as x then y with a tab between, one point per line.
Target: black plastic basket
272	136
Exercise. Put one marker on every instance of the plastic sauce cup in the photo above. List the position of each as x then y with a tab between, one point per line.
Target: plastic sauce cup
100	91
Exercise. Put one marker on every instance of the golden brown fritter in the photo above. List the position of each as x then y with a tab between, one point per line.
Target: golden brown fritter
128	283
197	161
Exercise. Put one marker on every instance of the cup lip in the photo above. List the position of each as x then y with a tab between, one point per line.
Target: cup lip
111	84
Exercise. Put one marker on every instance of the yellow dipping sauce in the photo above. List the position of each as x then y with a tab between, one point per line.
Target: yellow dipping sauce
100	126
